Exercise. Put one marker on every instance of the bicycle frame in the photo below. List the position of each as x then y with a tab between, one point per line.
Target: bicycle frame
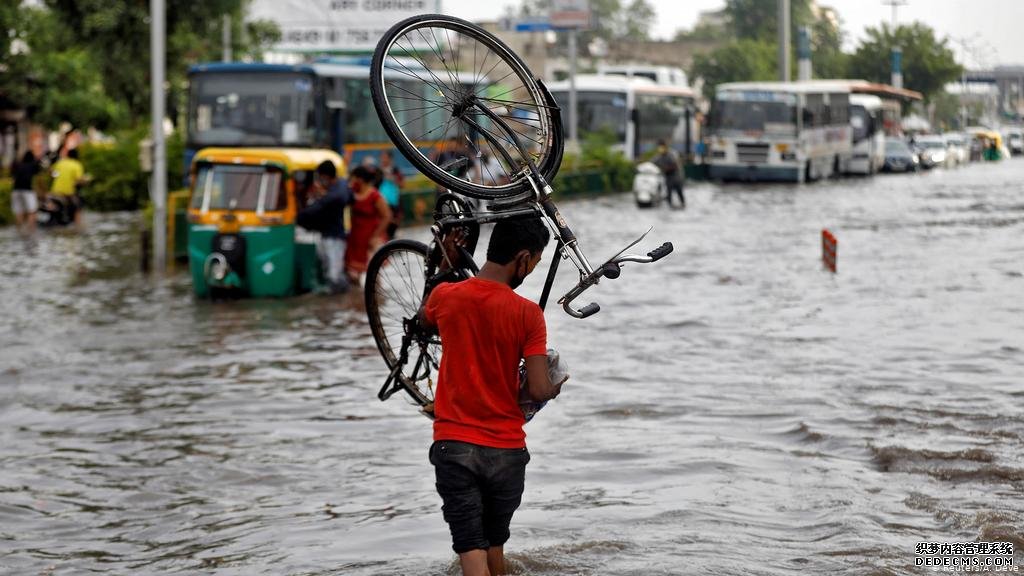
539	203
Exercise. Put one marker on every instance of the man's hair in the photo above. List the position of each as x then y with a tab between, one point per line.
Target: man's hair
511	236
327	168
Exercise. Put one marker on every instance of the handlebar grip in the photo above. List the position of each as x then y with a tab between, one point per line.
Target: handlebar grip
590	310
660	252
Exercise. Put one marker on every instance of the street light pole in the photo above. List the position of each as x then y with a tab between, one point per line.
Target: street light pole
573	109
897	52
158	188
784	40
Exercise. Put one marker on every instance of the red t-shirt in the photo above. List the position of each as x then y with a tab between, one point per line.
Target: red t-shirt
486	328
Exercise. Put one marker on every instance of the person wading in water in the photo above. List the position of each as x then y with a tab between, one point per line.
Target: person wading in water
479	451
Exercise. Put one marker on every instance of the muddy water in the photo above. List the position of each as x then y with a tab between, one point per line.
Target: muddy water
733	409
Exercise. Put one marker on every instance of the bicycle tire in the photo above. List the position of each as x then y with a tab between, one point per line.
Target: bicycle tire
386	334
550	142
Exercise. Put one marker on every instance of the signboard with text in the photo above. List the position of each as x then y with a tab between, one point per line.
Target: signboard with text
570	14
336	25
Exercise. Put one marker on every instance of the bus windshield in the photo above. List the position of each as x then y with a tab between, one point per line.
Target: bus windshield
230	187
744	116
251	109
660	117
599	112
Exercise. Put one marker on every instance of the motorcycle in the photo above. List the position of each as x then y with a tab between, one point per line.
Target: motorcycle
649	187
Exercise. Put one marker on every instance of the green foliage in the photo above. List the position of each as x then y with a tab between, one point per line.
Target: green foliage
87	61
116	181
597	167
759	19
54	79
740	60
928	63
6	216
702	32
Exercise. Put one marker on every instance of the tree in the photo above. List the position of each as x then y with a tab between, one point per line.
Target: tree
759	19
827	56
51	78
928	63
702	32
740	60
638	20
117	36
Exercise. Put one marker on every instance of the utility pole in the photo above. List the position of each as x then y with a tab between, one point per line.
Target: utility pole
158	188
573	109
897	52
225	38
784	40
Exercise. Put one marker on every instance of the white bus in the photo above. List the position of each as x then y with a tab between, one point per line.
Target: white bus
664	75
780	131
868	135
634	113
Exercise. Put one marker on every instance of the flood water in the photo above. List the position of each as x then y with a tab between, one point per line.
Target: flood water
733	409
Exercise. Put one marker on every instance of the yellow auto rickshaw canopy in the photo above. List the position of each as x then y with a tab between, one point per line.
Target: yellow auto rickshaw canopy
291	159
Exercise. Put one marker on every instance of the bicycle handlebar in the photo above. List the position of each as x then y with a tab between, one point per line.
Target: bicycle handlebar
610	270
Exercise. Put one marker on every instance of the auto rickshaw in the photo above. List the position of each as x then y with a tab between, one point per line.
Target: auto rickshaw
241	233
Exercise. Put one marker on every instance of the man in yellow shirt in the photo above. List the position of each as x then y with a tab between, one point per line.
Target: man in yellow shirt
68	173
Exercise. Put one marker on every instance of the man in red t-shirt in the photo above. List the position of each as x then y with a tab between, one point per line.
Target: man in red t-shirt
479	452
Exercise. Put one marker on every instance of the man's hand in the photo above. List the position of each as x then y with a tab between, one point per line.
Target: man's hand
545	376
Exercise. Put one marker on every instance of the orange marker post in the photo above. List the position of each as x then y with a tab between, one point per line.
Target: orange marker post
828	250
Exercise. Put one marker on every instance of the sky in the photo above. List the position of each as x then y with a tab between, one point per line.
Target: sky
983	33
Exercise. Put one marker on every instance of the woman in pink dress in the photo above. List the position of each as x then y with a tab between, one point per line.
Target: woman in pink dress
370	215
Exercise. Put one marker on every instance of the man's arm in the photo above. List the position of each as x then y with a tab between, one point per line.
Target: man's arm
538	383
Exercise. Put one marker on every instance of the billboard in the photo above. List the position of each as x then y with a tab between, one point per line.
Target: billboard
336	25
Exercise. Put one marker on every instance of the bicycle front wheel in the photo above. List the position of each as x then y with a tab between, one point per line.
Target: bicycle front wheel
395	285
430	77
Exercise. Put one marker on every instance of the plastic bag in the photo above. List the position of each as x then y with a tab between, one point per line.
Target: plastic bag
557	372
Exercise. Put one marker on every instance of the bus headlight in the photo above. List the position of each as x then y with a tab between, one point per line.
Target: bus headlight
788	156
718	153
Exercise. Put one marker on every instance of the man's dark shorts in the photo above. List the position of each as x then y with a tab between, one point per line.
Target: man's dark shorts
481	487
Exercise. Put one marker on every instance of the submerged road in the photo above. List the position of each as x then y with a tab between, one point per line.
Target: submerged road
733	409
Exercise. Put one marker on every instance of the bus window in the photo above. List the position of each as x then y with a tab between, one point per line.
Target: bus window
251	109
759	116
659	117
814	111
599	112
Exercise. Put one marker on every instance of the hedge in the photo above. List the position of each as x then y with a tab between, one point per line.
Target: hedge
6	216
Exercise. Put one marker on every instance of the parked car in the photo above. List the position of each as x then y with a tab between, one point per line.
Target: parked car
899	157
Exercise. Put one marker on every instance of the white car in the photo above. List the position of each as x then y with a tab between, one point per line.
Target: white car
933	150
1014	141
956	144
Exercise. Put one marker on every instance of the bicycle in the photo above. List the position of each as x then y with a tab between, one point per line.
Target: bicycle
426	83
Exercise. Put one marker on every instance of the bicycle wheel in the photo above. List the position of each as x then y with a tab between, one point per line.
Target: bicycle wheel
395	283
429	77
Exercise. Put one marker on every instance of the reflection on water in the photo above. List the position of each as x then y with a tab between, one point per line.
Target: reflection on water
733	410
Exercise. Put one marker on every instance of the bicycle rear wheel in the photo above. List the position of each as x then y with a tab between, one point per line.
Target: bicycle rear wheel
395	285
429	77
